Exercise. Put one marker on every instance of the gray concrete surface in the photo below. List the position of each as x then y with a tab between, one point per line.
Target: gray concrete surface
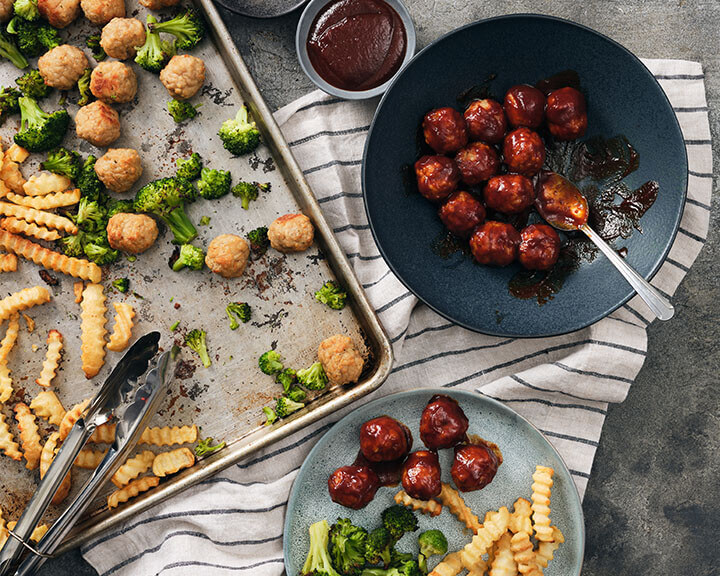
654	496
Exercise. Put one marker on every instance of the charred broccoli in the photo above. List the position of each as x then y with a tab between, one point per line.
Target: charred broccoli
270	416
88	182
33	38
332	295
8	103
286	378
318	562
270	363
189	168
84	88
40	131
241	310
248	191
189	257
239	135
72	246
313	378
347	547
93	43
188	29
119	207
285	406
121	285
91	215
32	85
181	110
195	339
398	520
101	254
26	9
406	568
10	51
166	199
213	184
431	542
296	394
379	545
64	162
155	53
259	242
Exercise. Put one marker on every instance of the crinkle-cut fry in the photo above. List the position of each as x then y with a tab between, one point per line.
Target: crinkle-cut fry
52	359
503	563
47	219
480	569
47	406
18	226
429	507
89	459
138	464
170	462
78	288
12	177
6	384
50	259
29	322
8	263
4	535
16	154
72	416
7	443
92	329
46	457
495	526
524	554
546	550
45	183
122	330
4	190
167	436
47	202
542	483
131	490
451	565
104	434
22	300
455	503
520	518
37	533
29	435
11	334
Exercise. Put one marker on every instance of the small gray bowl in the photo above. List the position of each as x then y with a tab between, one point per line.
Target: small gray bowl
301	36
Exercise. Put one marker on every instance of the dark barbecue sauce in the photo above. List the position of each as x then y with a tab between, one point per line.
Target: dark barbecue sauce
389	473
357	44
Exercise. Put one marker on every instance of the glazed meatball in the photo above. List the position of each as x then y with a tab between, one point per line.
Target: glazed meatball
113	82
62	66
509	193
566	114
183	76
477	162
445	130
100	12
474	467
421	475
59	13
291	233
353	486
524	151
340	359
437	177
443	423
384	439
486	121
97	123
131	233
120	36
461	213
524	106
119	169
539	247
159	4
228	255
6	10
495	243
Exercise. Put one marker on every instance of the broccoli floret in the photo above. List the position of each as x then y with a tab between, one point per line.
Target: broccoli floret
181	110
26	9
188	29
270	416
318	562
31	84
286	378
166	199
332	295
204	221
189	168
88	182
84	88
239	309
406	568
431	542
270	363
378	547
398	558
189	257
296	394
72	246
10	51
284	406
259	242
119	207
313	378
155	53
239	135
90	215
347	547
205	447
121	285
100	254
63	161
40	131
93	43
195	339
8	103
33	38
213	184
48	36
248	191
398	520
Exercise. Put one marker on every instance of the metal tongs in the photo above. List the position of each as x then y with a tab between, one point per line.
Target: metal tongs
128	397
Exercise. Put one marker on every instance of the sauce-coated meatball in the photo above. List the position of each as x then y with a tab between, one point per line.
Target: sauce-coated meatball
228	255
509	193
291	233
437	177
421	475
566	114
100	12
486	121
59	13
62	66
119	169
131	233
443	423
524	151
159	4
6	10
495	243
445	130
113	82
474	467
477	162
183	76
525	106
353	486
97	123
539	247
461	213
384	439
120	36
340	359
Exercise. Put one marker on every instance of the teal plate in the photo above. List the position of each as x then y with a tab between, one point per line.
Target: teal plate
522	445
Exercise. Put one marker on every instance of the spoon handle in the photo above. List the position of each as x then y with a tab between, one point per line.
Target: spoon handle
660	305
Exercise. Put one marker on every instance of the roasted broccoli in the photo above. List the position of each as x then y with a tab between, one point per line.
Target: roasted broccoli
204	221
8	103
26	9
239	135
88	182
205	447
296	394
347	547
40	131
406	568
72	246
398	520
32	85
181	110
195	339
213	184
241	310
248	191
431	542
313	378
84	88
286	378
189	257
155	53
101	254
285	406
270	416
119	207
270	363
189	168
33	38
10	51
64	162
379	545
166	199
318	562
188	29
332	295
93	43
259	242
91	215
121	285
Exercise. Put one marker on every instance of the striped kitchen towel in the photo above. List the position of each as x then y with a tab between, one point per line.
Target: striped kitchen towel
234	522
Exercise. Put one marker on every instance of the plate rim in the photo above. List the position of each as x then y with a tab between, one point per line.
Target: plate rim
499	333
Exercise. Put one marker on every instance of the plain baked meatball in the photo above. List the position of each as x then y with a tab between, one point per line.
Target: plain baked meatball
421	475
437	177
183	76
384	439
340	359
120	36
228	255
97	123
59	13
445	130
486	121
119	169
461	213
566	114
477	162
353	486
113	82
524	151
62	66
443	423
539	247
100	12
159	4
495	243
291	233
131	233
6	10
525	106
474	466
509	193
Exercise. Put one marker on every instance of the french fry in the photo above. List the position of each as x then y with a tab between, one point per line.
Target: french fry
546	550
6	384
8	263
38	532
29	435
503	563
47	202
47	406
46	457
45	183
11	334
16	154
167	436
138	464
89	459
4	190
7	442
52	359
542	483
17	226
22	300
72	416
104	434
92	330
170	462
496	525
47	219
122	331
50	259
524	555
78	288
451	565
455	503
30	323
131	490
429	507
520	518
4	535
12	177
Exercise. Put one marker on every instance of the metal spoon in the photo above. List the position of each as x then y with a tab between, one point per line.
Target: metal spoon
564	207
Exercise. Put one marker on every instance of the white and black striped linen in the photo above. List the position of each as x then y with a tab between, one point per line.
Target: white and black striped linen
233	523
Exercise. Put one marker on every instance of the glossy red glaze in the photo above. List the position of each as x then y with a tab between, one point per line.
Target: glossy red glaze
560	202
539	247
566	114
524	106
477	162
437	177
474	467
486	121
443	423
353	486
421	475
445	130
524	151
509	193
461	213
495	243
384	439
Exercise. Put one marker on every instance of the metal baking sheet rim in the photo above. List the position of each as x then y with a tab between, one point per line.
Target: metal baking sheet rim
323	406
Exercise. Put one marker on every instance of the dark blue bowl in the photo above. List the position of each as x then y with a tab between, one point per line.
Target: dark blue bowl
623	98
